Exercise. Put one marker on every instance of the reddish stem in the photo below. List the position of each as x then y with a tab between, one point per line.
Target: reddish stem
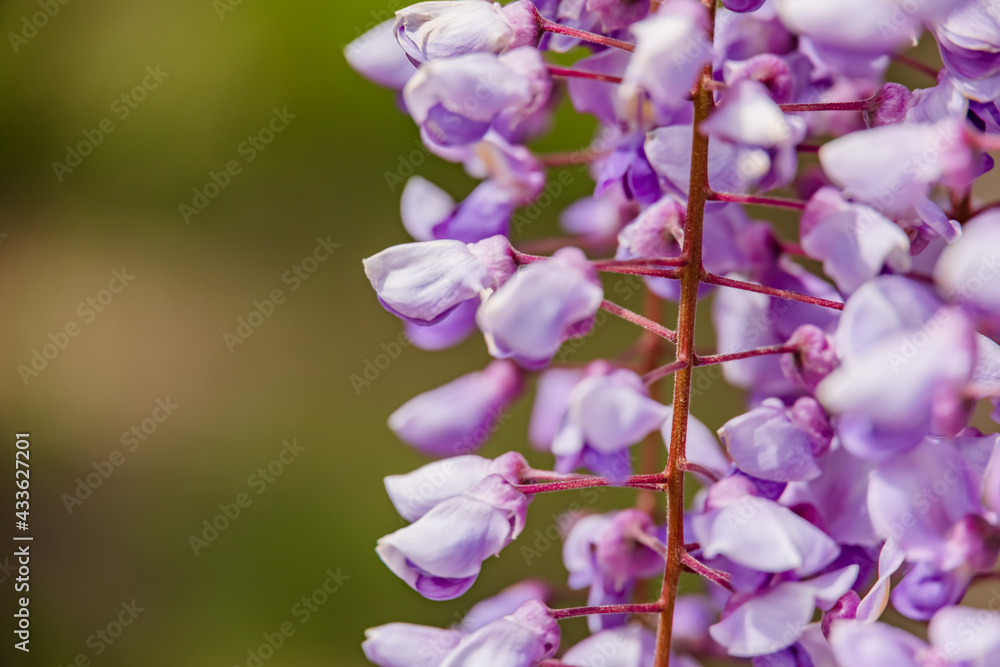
609	264
709	359
636	318
776	202
641	608
808	148
713	279
593	38
663	371
690	280
699	568
570	73
643	271
857	105
699	469
635	481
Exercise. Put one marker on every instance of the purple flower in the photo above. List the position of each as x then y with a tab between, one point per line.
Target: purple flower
417	493
760	534
542	305
521	639
872	27
764	137
814	359
853	241
959	636
670	51
408	645
376	56
504	603
422	282
432	30
777	443
902	355
968	270
458	417
630	645
892	168
455	101
968	40
450	330
606	554
618	14
440	554
590	419
766	622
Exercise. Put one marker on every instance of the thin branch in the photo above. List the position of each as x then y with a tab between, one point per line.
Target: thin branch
710	359
658	374
715	576
699	469
713	279
671	274
690	281
635	318
776	202
636	481
641	608
551	26
856	105
608	264
570	73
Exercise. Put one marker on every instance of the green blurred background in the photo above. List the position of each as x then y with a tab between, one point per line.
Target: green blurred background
226	67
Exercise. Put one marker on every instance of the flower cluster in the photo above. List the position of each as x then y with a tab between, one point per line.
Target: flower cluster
866	346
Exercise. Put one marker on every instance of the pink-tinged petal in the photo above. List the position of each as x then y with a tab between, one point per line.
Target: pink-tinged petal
440	555
916	497
770	443
670	51
458	417
376	56
873	604
875	645
840	497
628	646
853	241
762	535
827	589
407	645
447	332
969	270
523	639
613	411
964	633
504	603
423	206
432	30
552	398
424	281
766	623
542	305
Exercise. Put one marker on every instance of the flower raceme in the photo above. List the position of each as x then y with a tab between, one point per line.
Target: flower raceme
860	474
